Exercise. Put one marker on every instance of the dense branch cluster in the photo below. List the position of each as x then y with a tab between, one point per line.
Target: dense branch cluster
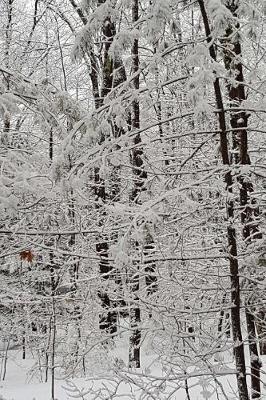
132	204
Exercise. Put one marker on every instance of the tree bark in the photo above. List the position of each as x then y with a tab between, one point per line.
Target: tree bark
113	74
239	122
140	175
231	232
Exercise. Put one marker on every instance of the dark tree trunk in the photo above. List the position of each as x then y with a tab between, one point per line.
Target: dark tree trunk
8	33
108	321
261	328
221	318
139	177
108	318
23	345
150	273
255	363
231	232
94	70
113	74
239	121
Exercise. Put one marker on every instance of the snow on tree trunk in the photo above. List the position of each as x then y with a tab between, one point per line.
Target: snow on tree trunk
249	211
140	176
231	231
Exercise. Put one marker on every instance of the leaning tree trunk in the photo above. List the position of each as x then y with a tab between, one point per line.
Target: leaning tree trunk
231	232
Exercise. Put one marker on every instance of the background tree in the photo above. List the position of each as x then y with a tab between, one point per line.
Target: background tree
132	172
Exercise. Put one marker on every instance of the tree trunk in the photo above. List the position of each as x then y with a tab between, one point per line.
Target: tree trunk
140	176
109	80
53	339
231	232
113	74
239	121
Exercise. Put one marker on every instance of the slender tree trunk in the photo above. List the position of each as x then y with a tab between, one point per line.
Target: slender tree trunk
261	329
8	34
53	338
54	284
6	357
24	345
140	176
150	266
231	232
47	352
255	363
221	317
94	70
239	121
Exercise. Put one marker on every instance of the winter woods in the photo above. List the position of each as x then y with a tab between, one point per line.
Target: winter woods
133	195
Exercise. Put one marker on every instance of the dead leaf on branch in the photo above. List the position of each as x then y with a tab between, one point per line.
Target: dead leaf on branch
26	255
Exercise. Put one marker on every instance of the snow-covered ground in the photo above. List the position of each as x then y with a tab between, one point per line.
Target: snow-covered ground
20	384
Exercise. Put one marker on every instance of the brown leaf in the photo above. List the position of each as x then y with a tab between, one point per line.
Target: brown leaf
26	255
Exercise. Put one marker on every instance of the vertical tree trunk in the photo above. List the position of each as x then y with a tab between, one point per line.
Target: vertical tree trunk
261	329
24	345
221	317
150	266
92	59
239	121
8	34
108	319
231	232
47	352
5	357
255	363
140	176
113	74
53	339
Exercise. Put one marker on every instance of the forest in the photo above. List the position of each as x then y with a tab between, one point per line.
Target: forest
132	200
